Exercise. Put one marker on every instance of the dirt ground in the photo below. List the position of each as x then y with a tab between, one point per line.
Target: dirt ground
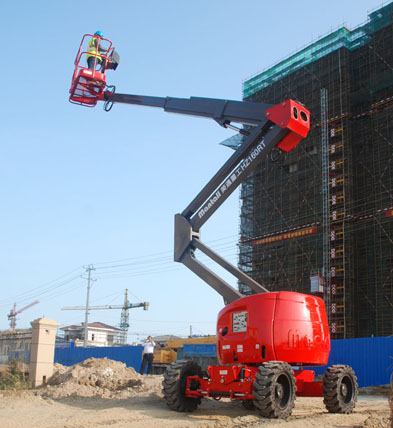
100	393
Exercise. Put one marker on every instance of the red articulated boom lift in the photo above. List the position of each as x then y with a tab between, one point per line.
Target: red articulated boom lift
264	341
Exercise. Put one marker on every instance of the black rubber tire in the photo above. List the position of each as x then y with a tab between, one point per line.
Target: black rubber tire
248	404
340	389
274	390
174	385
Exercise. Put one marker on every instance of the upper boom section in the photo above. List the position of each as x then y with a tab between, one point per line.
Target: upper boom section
223	111
288	115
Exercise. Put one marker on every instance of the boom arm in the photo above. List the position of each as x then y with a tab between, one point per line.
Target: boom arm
223	111
281	126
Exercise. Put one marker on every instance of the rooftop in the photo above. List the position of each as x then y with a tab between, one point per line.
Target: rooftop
96	325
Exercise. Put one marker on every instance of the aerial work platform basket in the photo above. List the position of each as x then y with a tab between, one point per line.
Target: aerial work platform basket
88	84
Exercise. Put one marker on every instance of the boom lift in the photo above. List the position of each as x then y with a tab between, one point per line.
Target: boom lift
263	340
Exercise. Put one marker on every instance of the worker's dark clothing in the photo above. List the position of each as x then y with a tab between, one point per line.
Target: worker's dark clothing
90	63
147	359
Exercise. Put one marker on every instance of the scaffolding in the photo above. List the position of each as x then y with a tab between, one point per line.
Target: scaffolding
326	232
330	217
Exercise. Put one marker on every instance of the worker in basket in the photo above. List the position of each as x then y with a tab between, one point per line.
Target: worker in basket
93	52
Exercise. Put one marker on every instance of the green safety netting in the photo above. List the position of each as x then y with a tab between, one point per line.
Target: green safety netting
349	39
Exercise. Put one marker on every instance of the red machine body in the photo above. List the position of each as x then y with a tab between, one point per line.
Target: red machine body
87	86
282	326
278	326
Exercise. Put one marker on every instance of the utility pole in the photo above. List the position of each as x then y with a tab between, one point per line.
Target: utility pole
88	270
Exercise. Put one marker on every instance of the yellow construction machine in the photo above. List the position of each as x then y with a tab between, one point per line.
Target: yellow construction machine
169	353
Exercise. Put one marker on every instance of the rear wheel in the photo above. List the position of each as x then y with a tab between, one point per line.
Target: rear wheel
174	385
274	390
340	389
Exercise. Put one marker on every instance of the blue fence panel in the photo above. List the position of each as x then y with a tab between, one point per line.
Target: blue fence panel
131	356
204	355
370	357
199	350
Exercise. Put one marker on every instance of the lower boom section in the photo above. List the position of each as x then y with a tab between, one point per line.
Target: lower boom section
270	388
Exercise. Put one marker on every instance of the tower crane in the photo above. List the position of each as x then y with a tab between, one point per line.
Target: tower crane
13	313
124	320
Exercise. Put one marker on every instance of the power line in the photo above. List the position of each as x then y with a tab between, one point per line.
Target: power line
168	253
32	294
155	263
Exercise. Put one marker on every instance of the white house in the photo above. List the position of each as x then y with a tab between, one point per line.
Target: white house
98	334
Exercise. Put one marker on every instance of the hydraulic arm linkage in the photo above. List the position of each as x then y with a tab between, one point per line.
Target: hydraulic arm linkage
279	126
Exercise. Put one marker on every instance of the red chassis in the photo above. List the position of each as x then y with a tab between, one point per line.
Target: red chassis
236	383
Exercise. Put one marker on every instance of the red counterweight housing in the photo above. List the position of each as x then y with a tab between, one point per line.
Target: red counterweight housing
279	326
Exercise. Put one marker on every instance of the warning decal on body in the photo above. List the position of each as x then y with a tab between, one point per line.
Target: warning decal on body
239	321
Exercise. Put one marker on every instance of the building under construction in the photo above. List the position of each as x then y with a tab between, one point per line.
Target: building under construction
320	219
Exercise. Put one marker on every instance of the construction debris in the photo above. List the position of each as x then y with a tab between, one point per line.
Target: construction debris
98	377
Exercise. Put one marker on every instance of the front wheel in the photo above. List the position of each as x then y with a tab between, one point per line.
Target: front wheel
274	390
174	386
340	389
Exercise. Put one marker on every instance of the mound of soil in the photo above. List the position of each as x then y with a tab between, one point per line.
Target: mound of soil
97	377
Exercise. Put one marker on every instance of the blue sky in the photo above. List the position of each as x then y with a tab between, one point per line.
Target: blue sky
80	186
